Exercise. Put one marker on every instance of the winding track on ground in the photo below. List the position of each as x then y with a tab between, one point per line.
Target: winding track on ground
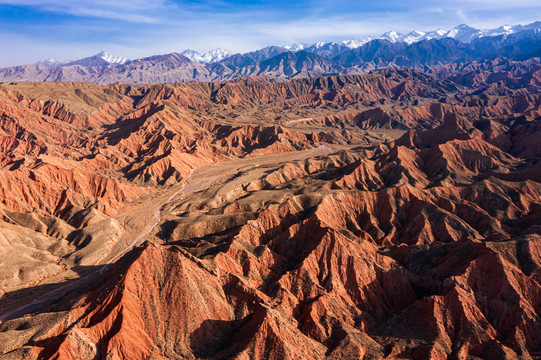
205	175
47	298
157	219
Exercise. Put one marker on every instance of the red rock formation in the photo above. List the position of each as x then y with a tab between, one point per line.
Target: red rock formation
424	247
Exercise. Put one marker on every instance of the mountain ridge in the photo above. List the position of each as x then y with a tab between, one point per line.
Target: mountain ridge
389	51
462	32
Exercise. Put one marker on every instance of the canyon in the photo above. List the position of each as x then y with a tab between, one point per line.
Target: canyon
388	215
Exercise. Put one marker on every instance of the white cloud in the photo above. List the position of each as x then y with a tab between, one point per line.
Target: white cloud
138	11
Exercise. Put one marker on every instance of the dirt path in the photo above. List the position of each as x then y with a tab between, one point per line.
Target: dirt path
201	178
198	179
142	236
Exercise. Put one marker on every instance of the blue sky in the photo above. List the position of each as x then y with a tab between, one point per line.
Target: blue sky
31	30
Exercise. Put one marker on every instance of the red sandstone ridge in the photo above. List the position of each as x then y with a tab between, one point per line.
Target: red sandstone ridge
382	216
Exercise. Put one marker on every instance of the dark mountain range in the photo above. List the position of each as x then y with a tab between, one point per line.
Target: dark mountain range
266	53
291	64
378	50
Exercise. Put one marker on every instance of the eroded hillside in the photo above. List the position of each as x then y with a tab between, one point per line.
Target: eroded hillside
387	215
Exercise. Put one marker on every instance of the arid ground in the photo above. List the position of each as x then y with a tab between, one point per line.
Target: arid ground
391	215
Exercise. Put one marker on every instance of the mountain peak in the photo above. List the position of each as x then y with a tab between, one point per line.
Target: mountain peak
392	36
111	59
211	56
463	26
50	62
296	46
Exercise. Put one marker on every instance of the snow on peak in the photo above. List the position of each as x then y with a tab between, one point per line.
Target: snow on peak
190	53
208	57
50	62
296	47
462	33
392	36
216	55
353	44
414	36
111	59
319	44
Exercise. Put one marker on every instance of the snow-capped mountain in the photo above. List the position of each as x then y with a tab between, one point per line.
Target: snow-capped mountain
208	57
191	54
459	45
296	47
50	62
112	59
332	49
462	33
392	36
101	59
353	44
508	29
466	34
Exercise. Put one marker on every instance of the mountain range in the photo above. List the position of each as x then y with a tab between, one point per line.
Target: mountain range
415	50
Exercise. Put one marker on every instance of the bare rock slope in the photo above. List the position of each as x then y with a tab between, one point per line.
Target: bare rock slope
389	215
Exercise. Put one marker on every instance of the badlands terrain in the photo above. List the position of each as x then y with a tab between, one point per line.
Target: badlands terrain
394	215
